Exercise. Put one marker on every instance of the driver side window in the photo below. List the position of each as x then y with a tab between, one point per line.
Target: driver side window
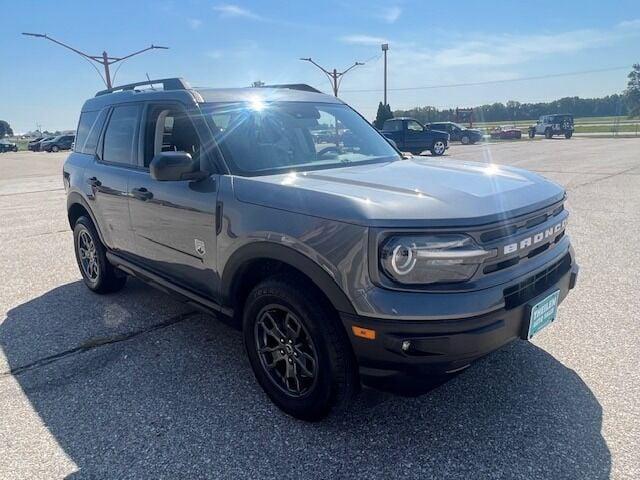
414	126
169	129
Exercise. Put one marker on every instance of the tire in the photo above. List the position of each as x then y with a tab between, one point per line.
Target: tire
98	274
465	140
55	149
320	346
532	133
438	148
548	133
568	135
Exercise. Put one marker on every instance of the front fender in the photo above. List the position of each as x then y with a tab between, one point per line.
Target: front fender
273	251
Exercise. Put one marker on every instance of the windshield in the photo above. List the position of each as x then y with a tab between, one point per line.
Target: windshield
264	138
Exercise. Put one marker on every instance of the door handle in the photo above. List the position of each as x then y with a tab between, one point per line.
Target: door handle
94	182
142	194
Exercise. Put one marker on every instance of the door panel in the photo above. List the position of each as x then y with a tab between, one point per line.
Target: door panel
175	229
415	140
107	191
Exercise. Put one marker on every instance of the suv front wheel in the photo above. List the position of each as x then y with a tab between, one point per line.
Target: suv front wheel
98	274
298	351
438	148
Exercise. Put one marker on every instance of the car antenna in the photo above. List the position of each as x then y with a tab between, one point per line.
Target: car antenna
150	84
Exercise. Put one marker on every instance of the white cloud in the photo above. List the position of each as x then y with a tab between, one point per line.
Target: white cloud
230	10
363	40
629	23
390	15
194	23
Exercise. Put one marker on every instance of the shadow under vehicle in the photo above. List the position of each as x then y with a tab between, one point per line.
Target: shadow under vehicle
139	385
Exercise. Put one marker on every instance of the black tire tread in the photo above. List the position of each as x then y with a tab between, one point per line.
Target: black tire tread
345	381
111	280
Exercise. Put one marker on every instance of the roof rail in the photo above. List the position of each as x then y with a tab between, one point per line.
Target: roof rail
294	86
167	84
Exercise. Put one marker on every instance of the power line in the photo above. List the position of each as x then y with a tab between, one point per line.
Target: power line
493	82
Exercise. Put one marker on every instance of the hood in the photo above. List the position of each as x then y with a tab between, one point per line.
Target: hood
418	192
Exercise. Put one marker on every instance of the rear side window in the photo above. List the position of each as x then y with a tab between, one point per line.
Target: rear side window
120	137
87	119
89	128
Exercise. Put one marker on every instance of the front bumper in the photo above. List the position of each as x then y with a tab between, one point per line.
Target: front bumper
439	346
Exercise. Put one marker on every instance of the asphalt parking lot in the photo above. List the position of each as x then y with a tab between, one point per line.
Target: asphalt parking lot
138	385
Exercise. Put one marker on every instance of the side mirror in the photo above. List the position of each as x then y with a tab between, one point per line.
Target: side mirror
175	166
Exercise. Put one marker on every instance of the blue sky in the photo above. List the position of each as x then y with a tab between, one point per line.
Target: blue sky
237	42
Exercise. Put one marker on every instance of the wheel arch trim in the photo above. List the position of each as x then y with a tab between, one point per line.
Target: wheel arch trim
74	198
288	256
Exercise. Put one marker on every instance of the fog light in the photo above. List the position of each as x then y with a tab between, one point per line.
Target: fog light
406	345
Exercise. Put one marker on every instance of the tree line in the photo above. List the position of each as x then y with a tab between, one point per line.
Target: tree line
626	103
501	112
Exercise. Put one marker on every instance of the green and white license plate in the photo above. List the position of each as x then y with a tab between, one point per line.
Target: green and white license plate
543	313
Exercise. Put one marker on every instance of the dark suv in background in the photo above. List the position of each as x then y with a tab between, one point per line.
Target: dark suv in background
35	144
7	146
55	144
343	262
457	132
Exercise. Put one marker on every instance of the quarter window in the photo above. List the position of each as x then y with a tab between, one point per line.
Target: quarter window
119	139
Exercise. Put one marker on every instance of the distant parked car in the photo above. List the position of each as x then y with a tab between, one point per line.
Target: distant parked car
7	146
61	142
457	132
36	145
550	125
409	135
506	133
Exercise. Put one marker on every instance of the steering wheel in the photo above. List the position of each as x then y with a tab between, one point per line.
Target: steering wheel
325	150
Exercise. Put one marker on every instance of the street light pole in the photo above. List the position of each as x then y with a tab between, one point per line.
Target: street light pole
385	48
335	77
105	60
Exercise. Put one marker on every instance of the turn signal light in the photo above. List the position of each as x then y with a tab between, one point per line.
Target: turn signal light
364	332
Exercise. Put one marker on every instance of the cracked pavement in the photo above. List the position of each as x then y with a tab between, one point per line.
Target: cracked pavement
137	385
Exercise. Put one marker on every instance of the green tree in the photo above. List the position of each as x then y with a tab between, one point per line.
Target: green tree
384	114
632	93
5	129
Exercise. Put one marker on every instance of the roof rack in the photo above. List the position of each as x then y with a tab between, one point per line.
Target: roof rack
294	86
167	84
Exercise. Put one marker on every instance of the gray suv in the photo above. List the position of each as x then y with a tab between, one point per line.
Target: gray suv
282	209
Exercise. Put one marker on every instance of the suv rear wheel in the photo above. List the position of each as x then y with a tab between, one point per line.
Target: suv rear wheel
98	274
299	354
55	148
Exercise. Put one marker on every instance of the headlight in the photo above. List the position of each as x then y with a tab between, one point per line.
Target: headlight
428	259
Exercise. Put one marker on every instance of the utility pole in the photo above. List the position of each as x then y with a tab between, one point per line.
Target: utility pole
335	77
105	60
385	48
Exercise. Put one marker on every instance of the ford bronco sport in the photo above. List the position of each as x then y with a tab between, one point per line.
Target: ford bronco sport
343	262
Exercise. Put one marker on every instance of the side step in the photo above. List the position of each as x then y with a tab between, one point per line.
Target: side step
192	298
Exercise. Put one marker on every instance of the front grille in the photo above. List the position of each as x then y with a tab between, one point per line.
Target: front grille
503	232
534	285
